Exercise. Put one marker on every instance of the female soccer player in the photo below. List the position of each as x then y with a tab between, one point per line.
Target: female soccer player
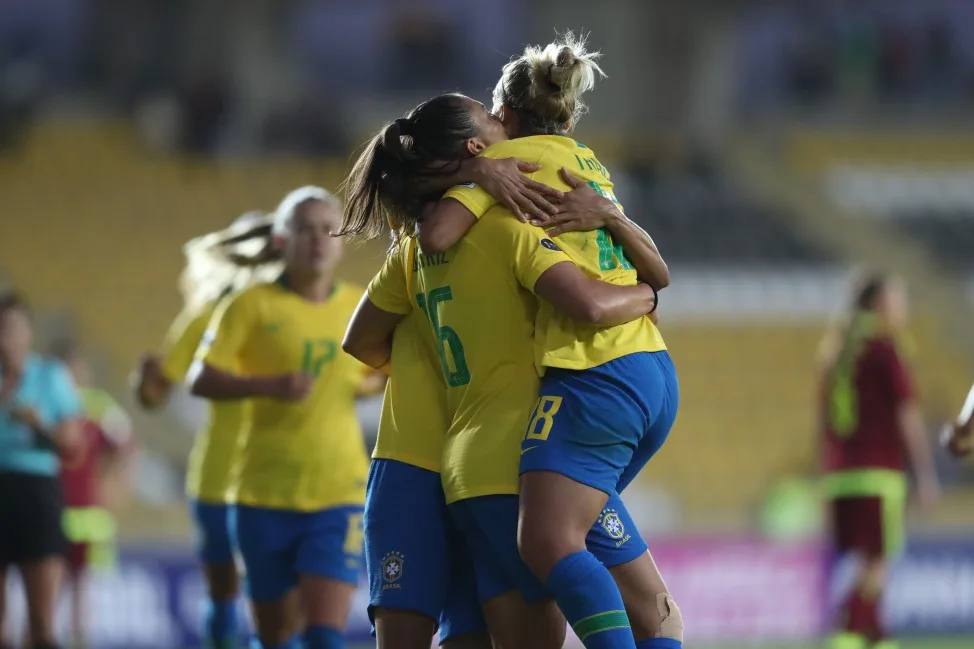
609	426
95	479
872	430
492	383
303	467
404	481
210	275
39	413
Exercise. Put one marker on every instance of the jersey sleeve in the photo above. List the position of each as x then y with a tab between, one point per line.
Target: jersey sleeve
472	196
532	252
64	392
181	343
388	290
228	331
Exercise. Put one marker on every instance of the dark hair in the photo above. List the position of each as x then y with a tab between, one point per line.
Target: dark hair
13	300
383	189
545	85
229	246
868	290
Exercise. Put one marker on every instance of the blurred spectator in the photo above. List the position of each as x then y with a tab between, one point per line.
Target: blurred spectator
20	87
425	50
893	51
39	412
205	105
95	477
313	127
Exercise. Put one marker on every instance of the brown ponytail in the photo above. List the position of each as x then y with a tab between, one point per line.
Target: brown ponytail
383	189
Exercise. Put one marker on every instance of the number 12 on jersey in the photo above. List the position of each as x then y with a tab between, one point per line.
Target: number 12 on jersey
448	343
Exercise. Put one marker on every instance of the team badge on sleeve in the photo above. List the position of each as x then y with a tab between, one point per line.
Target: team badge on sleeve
550	245
468	185
392	565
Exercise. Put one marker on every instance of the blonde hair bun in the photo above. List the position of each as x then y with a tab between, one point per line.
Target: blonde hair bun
545	85
566	65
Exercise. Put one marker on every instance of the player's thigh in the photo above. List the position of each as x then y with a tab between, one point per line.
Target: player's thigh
266	539
474	641
329	560
407	553
556	514
516	624
587	423
401	629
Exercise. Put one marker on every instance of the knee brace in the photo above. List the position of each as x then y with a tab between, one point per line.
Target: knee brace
671	625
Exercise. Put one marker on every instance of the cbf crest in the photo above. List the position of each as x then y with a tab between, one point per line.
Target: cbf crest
392	565
612	524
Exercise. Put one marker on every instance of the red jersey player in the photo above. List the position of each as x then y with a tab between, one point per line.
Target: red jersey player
873	433
93	477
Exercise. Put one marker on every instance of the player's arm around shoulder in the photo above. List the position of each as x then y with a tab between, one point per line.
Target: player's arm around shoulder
543	268
501	174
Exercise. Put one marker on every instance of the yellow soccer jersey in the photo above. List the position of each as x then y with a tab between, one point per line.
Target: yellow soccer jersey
413	424
561	341
480	312
211	461
307	455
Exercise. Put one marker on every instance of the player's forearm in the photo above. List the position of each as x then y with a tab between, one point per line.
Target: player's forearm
915	440
60	438
217	385
375	354
615	305
640	249
590	301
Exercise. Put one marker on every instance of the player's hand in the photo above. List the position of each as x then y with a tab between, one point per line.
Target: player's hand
505	181
960	443
27	416
292	387
580	210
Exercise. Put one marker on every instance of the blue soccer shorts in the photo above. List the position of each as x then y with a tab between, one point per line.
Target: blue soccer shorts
600	426
416	558
489	525
279	545
213	542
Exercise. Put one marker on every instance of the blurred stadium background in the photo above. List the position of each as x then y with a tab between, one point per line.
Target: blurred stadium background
768	147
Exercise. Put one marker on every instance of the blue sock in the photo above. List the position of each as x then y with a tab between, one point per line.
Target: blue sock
659	643
222	625
293	643
590	600
323	637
